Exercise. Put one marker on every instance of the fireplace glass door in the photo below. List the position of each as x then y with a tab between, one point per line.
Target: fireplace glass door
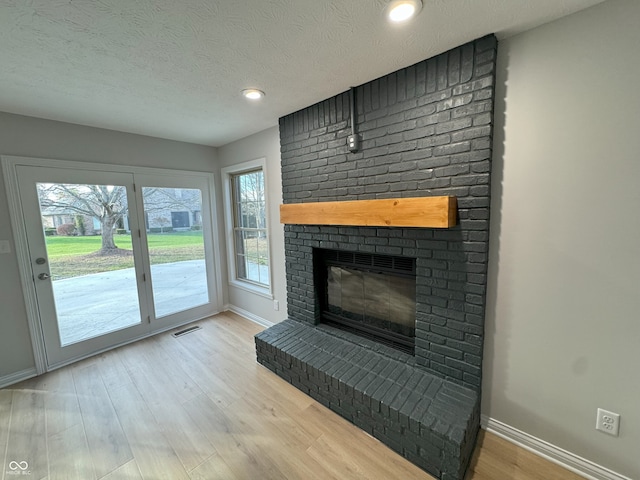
371	295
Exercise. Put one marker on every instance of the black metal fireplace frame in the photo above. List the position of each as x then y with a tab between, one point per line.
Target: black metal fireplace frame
366	262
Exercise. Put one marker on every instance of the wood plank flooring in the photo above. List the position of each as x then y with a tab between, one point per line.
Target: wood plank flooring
200	407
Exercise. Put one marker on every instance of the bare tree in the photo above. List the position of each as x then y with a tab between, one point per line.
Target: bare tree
163	222
252	201
106	203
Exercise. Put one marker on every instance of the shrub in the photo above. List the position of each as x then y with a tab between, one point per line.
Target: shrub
121	231
196	227
67	229
49	231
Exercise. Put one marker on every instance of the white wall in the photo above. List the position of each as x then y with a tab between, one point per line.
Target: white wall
32	137
563	317
265	144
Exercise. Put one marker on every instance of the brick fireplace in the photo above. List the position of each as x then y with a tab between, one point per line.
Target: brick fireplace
426	130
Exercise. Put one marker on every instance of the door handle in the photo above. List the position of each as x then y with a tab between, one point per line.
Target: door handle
44	276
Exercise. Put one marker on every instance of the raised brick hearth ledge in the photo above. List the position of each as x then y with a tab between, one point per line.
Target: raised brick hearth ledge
428	420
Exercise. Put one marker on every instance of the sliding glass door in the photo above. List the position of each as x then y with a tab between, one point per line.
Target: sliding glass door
177	241
114	256
176	248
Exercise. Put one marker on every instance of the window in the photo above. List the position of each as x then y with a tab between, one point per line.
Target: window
248	238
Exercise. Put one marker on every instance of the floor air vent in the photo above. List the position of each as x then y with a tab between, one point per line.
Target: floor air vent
185	331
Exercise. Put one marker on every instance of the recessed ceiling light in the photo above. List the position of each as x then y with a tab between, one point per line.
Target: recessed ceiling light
402	10
253	93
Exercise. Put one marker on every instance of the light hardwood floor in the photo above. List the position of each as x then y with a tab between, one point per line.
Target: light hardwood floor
200	407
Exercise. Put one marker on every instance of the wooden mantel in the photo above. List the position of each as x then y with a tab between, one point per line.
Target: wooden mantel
430	212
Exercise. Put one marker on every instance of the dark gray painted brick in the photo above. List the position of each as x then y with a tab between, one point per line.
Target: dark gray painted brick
426	130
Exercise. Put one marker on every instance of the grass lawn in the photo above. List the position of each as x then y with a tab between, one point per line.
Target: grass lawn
75	256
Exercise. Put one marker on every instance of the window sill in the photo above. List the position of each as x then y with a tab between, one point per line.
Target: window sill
250	287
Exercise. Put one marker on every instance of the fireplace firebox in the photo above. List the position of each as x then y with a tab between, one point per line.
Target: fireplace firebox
370	295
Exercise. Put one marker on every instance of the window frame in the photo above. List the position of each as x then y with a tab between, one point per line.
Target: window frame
228	175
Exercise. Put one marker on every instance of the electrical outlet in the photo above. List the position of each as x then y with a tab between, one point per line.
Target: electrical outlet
276	305
608	422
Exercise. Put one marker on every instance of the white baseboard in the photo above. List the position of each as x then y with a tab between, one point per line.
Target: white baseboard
16	377
557	455
248	315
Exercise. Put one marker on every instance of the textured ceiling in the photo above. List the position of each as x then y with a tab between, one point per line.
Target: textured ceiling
174	68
